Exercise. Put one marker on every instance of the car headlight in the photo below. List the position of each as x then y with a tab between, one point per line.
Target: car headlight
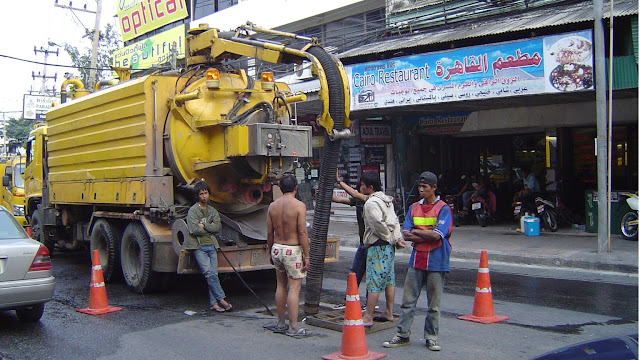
18	210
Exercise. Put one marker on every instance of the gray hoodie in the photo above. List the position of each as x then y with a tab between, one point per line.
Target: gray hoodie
380	220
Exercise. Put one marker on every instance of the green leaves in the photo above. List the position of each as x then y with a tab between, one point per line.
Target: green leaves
17	132
81	58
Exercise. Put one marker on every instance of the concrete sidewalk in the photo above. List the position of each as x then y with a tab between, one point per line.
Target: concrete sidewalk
566	248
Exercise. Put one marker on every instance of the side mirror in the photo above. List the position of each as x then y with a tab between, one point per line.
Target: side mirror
6	181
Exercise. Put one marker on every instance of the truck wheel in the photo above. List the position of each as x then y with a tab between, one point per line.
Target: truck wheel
135	258
105	237
37	231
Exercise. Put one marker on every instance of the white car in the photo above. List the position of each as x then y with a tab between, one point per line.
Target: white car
26	282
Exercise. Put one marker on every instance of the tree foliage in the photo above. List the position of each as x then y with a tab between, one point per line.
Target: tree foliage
108	42
17	131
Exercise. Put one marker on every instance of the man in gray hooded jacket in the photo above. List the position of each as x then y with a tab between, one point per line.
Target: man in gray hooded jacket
380	226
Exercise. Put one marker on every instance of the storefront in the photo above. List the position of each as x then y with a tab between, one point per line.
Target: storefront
495	109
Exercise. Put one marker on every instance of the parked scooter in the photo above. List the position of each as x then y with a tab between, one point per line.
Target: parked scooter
455	204
543	208
629	222
546	210
482	207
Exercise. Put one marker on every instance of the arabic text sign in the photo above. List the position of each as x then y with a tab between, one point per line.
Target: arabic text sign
34	105
137	17
152	51
557	63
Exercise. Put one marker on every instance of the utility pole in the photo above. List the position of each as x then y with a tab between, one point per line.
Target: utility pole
96	37
601	121
43	89
94	48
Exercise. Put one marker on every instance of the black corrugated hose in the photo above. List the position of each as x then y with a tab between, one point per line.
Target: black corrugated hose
328	165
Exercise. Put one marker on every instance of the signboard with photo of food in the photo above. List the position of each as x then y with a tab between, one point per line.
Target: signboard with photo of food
549	64
568	62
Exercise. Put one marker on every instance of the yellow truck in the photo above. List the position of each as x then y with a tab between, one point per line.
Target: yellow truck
12	189
115	168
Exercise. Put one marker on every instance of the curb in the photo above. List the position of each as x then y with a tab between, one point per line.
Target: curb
549	261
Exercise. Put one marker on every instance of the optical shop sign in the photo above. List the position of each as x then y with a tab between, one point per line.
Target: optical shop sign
154	50
137	17
558	63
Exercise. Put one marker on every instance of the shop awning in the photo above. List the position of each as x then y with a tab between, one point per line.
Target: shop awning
534	19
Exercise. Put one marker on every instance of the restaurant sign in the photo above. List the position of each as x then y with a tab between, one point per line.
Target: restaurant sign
556	63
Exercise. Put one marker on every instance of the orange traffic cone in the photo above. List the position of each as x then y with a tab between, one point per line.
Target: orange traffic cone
483	302
98	303
354	342
28	230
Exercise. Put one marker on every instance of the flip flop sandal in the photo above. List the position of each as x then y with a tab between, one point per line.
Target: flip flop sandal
276	329
229	307
217	309
299	334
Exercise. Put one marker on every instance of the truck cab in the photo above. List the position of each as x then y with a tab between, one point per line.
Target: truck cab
13	187
33	176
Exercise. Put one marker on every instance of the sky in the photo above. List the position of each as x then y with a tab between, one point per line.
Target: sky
33	23
25	24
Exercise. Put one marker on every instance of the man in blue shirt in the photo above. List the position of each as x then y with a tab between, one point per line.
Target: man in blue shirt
428	226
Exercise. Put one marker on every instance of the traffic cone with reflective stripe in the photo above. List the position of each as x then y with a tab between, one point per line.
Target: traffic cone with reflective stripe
354	342
483	302
98	303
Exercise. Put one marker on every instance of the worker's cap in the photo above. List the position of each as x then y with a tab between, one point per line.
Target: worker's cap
429	178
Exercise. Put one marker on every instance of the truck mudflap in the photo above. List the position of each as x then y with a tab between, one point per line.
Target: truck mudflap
244	258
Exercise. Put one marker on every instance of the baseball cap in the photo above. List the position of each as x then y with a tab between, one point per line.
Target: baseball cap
428	177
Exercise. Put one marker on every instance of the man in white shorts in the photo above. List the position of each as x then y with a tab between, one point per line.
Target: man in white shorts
288	243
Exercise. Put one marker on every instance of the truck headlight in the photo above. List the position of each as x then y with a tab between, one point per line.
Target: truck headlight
18	210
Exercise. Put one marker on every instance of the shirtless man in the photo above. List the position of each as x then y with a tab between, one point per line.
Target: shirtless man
288	243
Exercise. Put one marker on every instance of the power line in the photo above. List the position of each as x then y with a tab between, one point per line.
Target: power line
47	64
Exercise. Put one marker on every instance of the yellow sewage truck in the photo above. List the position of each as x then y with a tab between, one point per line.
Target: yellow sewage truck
114	168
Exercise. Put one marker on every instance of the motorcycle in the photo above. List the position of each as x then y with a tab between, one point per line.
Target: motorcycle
454	203
629	222
540	207
481	206
546	210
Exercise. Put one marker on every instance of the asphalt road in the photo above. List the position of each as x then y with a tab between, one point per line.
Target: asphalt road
547	309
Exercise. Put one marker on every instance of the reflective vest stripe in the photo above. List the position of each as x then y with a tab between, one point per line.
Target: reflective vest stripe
425	221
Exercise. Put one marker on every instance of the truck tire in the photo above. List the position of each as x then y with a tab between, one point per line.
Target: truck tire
37	231
105	237
135	259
